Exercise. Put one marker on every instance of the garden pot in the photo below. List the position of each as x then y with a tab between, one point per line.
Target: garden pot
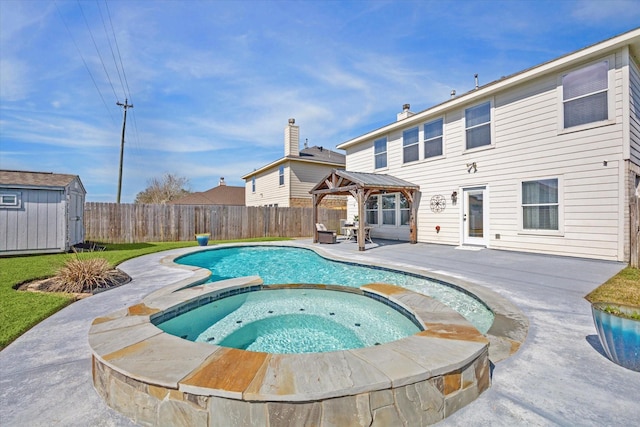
203	239
619	335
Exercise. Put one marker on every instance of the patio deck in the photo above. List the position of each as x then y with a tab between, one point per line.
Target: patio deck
558	377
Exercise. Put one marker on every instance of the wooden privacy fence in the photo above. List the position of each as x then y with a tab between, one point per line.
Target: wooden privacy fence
136	223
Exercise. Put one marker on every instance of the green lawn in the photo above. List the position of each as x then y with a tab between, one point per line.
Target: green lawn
19	311
623	288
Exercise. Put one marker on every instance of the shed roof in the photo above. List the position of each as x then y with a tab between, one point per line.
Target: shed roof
37	179
221	195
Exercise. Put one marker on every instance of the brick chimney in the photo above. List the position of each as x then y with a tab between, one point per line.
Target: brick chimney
292	139
405	112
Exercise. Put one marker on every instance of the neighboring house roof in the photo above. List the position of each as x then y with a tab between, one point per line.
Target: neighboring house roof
221	195
342	180
37	179
315	154
631	38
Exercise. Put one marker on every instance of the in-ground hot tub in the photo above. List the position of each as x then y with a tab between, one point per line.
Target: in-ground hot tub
158	378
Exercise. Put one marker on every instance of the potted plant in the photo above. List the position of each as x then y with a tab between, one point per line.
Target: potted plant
618	322
355	220
203	239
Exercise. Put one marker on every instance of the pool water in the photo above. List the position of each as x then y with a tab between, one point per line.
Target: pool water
280	265
292	321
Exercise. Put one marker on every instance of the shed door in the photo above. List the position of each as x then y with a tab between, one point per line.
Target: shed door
76	215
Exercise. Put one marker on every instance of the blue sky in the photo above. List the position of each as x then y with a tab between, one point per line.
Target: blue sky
213	83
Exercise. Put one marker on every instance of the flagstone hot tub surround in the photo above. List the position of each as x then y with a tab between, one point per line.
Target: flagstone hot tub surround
159	379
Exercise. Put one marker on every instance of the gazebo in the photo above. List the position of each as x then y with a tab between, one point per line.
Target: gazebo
361	186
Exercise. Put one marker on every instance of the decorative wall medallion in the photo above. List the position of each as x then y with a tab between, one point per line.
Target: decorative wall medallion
438	203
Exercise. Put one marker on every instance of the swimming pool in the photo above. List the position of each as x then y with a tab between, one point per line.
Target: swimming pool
287	321
278	264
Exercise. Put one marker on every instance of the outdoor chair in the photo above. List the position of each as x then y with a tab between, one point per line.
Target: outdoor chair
324	235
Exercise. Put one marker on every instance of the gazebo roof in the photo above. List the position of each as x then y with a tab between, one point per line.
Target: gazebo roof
344	182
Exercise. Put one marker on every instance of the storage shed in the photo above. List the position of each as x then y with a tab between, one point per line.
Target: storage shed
40	212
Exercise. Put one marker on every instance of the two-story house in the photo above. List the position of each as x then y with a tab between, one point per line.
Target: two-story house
286	182
546	160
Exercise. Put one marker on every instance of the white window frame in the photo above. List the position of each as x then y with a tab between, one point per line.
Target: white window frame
425	139
610	97
380	154
416	144
253	184
13	200
367	210
560	231
490	123
380	211
281	176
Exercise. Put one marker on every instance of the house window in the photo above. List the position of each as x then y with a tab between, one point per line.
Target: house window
433	138
281	175
410	144
404	210
380	152
478	125
10	200
584	95
253	184
389	209
540	206
371	210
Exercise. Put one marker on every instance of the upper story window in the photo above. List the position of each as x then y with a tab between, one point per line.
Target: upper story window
410	145
433	139
281	175
253	184
380	152
540	206
584	95
478	125
10	200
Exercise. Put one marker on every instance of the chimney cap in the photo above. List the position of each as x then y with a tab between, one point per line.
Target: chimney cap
292	121
406	107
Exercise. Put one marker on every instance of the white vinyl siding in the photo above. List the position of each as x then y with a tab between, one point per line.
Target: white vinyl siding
634	111
478	125
411	147
526	147
268	191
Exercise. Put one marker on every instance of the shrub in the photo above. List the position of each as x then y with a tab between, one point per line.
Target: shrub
85	275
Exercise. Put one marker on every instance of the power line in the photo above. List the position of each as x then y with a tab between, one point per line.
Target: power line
113	56
118	50
85	62
97	50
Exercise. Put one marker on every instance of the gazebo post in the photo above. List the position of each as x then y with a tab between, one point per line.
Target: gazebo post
413	229
315	217
361	219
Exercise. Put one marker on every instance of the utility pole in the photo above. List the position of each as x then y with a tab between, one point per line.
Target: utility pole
124	124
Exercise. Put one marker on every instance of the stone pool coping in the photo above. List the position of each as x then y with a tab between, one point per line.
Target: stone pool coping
127	342
154	377
506	335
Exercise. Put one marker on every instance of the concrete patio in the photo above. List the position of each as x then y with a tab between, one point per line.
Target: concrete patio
558	377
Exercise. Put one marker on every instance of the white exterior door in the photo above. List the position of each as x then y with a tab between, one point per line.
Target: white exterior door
475	216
